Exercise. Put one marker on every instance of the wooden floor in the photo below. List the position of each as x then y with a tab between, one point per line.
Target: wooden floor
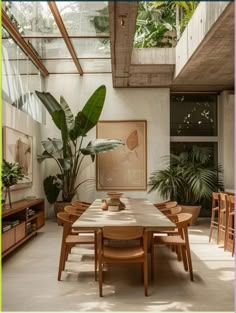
30	279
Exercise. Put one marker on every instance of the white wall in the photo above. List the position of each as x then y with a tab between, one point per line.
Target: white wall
22	122
121	104
226	137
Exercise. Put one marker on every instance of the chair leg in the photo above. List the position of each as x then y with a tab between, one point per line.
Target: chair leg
178	252
95	255
100	278
184	257
152	261
145	276
226	232
189	262
62	261
211	226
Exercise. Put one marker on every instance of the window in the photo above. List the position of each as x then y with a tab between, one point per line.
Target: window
20	78
193	121
193	115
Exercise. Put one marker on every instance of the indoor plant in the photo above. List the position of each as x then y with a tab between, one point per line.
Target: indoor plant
190	178
68	152
11	174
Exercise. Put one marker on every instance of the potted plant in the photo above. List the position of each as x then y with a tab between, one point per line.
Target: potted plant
190	178
68	151
11	174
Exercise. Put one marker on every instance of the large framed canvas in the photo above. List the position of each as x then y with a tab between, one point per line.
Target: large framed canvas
18	147
124	168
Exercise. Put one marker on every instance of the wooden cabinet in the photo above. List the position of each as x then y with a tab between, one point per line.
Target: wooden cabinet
21	222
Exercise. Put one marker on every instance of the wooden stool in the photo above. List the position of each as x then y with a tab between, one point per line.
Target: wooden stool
229	232
222	218
214	215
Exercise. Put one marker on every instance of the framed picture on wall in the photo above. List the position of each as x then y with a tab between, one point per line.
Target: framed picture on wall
18	147
124	168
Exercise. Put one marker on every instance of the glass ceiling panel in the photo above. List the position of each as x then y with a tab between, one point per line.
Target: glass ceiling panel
96	65
84	18
91	47
61	66
32	18
10	50
48	48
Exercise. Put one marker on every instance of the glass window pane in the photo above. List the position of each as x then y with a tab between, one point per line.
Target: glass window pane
32	18
10	50
91	47
62	66
48	48
193	115
84	18
96	65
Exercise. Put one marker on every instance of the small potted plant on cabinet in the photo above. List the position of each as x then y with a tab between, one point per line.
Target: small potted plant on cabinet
11	174
189	179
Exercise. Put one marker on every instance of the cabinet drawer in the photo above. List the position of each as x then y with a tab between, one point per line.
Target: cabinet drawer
8	239
20	231
40	219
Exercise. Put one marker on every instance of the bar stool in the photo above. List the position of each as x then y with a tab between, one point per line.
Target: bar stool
214	215
222	217
229	232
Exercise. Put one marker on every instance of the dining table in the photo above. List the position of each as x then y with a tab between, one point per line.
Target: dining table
137	212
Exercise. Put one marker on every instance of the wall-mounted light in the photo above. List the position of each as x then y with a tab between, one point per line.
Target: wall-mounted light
122	20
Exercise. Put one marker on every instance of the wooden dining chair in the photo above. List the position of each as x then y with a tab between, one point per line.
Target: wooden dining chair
181	240
229	231
70	239
125	254
75	210
214	215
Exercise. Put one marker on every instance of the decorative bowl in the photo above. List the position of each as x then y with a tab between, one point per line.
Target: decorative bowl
114	195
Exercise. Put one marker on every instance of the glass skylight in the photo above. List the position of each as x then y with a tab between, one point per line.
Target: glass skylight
82	18
32	18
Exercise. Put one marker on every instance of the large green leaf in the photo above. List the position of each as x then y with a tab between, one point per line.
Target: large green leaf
53	146
89	116
102	145
68	113
48	101
52	187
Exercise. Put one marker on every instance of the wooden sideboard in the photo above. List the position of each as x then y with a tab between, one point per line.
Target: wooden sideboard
21	222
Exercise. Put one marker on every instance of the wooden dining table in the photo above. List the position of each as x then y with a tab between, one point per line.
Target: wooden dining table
138	212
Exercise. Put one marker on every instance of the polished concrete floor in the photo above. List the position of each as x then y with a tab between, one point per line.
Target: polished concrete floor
29	281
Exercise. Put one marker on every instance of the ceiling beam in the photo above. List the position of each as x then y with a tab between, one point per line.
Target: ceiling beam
122	20
52	5
7	24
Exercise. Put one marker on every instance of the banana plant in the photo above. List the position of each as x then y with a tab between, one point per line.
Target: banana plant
68	151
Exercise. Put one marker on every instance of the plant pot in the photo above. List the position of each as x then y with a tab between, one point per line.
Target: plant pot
194	210
59	206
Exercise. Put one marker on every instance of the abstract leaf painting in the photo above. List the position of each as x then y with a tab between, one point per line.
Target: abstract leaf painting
17	147
124	168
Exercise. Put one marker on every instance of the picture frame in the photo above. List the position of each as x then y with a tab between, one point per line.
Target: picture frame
18	147
124	168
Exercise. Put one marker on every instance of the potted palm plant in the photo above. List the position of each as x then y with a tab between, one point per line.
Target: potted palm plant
11	174
189	178
68	151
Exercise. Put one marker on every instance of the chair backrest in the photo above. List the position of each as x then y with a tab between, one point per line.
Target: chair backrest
79	203
182	221
169	205
66	220
122	233
215	199
161	204
73	210
176	210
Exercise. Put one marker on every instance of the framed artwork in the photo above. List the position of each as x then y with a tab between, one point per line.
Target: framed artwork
18	147
124	168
